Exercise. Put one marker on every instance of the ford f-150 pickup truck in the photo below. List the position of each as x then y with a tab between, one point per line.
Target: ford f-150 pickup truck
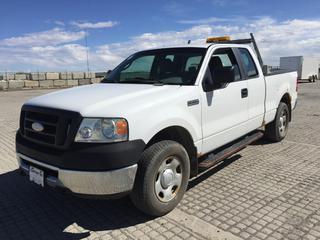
160	118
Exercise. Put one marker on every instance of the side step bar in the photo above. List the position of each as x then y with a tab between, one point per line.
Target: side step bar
217	157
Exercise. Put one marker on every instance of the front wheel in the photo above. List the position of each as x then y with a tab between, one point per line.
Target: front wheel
277	130
162	178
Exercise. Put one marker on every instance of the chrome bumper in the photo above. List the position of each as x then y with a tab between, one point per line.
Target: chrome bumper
83	182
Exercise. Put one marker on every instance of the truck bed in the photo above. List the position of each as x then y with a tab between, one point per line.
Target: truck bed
277	72
277	84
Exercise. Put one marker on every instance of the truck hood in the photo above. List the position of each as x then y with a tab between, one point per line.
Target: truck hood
106	100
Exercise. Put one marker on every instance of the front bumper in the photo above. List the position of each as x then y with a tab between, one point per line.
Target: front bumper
83	182
94	157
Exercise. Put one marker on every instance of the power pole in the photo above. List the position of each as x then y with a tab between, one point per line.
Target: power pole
87	52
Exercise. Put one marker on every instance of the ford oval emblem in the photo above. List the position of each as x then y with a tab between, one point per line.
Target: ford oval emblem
37	127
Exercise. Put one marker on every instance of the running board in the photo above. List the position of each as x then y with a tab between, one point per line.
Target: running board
217	157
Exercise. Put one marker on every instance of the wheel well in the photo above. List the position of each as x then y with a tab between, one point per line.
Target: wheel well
287	100
182	136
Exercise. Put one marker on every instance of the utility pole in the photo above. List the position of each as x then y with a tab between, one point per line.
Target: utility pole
87	52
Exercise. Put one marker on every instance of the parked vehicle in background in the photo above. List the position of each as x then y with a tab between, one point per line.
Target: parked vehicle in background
158	119
307	67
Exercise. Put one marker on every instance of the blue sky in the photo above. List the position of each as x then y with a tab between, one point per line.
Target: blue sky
40	35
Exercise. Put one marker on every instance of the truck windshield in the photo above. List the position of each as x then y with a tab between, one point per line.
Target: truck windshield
177	66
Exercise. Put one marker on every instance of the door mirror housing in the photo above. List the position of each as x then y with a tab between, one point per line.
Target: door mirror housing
223	75
220	77
207	85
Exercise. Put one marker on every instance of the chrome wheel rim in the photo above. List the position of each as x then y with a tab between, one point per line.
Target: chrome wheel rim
283	123
168	179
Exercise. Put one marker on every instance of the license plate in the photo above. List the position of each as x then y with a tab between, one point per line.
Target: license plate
36	175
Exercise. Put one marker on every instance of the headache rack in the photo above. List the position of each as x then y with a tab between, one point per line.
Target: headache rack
251	40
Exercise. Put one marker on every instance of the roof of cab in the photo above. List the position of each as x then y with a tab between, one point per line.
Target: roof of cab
205	45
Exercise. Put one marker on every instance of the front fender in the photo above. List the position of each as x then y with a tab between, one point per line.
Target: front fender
147	127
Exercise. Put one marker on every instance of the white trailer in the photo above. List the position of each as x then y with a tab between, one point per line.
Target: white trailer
307	67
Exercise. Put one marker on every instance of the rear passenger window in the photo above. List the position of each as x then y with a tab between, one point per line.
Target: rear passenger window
223	58
249	65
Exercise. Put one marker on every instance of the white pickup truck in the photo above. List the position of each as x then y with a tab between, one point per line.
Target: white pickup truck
158	119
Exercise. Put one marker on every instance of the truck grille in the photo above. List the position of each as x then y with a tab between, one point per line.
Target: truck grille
58	127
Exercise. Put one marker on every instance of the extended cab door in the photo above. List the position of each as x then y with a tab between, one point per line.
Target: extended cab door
225	109
256	88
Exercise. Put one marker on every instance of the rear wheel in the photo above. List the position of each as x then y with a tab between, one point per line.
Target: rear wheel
277	130
162	178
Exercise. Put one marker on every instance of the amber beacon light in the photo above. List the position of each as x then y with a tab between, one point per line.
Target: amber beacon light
218	39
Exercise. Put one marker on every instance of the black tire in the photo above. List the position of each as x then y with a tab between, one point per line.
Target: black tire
273	130
144	194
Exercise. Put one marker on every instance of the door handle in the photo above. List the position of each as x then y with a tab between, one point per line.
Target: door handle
244	92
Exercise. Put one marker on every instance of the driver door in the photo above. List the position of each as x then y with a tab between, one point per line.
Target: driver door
225	109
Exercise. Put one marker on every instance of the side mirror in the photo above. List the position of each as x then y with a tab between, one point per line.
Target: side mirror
223	75
220	77
208	85
108	72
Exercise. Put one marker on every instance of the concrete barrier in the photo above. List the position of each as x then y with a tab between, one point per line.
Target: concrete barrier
38	76
78	75
59	83
8	76
3	85
72	82
52	75
10	81
96	80
84	81
66	75
16	84
31	84
46	83
20	77
89	75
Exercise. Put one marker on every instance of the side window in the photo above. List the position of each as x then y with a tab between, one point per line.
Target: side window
193	62
170	57
249	65
140	67
224	58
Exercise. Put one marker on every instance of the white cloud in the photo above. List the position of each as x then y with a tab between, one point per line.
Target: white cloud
213	20
89	25
46	58
226	3
51	37
175	8
203	21
275	39
60	23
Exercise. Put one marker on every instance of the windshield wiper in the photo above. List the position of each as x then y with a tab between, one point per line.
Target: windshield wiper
143	80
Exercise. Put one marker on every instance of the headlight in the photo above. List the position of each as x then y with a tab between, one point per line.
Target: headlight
102	130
